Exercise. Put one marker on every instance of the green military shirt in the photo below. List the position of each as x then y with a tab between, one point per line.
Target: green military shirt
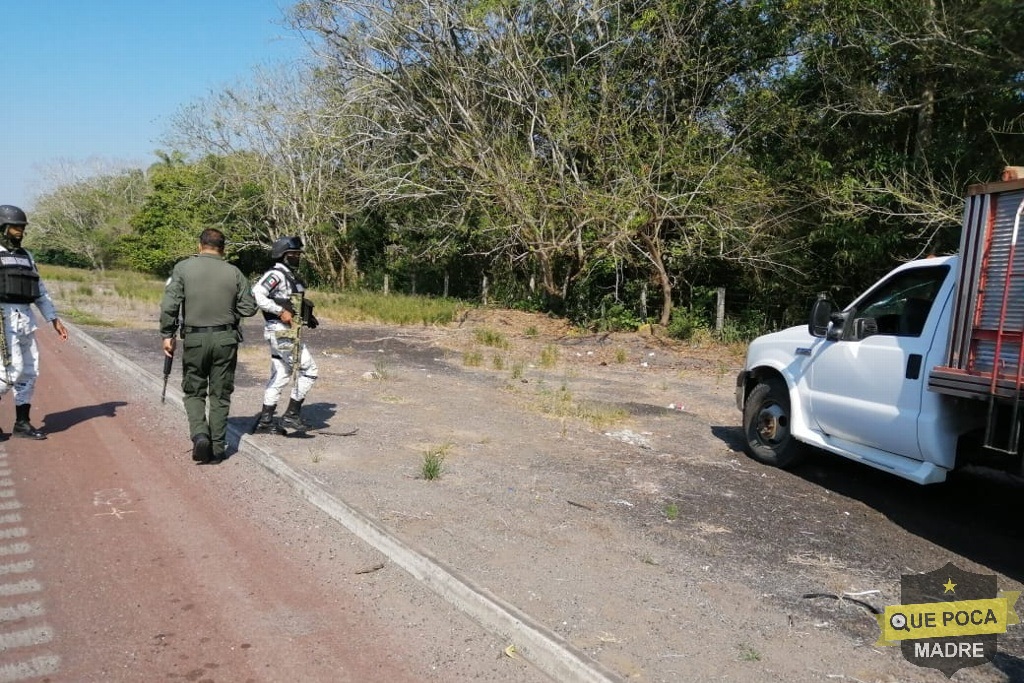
216	292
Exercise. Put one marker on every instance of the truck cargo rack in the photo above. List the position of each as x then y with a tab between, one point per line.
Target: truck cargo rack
985	351
1003	335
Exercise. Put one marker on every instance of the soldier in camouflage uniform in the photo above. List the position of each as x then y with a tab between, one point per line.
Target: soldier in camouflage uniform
280	294
208	296
20	288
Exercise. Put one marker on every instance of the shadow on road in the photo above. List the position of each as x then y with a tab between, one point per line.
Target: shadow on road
58	422
1010	665
975	513
317	415
731	436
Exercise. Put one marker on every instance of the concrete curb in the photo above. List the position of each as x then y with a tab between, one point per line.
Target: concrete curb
545	649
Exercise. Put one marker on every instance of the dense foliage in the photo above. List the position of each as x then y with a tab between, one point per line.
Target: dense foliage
616	161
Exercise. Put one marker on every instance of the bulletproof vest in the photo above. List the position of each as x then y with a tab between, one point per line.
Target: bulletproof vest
294	300
19	279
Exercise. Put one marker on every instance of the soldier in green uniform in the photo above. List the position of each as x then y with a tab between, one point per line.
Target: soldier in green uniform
208	297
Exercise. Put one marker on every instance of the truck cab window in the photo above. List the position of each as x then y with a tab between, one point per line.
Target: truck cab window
901	304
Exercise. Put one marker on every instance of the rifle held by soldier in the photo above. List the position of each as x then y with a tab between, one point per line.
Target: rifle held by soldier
295	332
168	362
301	309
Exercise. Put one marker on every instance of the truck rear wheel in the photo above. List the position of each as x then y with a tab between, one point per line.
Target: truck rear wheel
766	426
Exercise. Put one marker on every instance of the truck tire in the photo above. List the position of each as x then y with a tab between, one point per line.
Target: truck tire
766	423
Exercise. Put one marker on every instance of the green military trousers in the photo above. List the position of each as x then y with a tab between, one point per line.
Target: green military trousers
208	370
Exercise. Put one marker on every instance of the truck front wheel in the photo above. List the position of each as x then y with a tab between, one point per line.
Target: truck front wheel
766	426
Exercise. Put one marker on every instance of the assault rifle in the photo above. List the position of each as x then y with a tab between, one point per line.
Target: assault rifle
168	362
297	324
302	317
5	352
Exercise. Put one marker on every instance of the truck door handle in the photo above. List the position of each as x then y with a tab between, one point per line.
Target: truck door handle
914	366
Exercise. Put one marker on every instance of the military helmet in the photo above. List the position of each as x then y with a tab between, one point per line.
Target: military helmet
283	245
12	215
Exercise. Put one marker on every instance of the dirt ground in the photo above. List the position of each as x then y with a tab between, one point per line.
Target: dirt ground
597	483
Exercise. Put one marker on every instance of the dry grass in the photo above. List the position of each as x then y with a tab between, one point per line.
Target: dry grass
816	560
561	404
100	305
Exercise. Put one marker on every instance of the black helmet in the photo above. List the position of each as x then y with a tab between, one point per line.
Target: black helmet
12	215
283	245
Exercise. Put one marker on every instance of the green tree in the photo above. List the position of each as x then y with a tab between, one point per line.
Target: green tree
539	136
288	140
184	199
81	223
884	112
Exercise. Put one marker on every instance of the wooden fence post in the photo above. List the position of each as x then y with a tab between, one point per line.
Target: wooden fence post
720	317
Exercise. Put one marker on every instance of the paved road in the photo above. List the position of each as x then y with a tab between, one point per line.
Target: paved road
120	560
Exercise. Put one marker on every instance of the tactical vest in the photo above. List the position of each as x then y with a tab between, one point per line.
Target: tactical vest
19	279
295	298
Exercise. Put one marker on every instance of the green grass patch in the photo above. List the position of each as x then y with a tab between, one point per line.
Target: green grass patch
517	370
139	290
65	274
749	654
549	356
489	337
398	309
146	292
83	318
433	461
472	359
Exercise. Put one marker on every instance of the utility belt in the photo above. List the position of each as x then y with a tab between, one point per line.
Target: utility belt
191	329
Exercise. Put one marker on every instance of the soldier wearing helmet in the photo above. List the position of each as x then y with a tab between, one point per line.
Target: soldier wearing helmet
280	294
20	288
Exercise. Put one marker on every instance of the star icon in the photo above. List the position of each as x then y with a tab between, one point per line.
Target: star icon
949	586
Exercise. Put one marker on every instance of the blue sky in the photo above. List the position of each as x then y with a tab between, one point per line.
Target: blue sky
93	83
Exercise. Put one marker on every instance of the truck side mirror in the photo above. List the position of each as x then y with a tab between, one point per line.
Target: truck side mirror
821	316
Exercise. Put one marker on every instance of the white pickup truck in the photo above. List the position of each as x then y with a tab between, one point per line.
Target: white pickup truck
921	374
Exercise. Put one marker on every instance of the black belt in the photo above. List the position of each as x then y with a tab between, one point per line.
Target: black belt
209	328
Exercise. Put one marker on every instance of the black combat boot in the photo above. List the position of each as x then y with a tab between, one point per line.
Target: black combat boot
266	424
22	427
202	449
291	418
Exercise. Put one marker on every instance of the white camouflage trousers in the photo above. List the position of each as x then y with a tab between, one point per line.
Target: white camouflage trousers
22	371
281	350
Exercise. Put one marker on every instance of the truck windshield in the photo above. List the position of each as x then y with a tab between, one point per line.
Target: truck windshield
901	304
